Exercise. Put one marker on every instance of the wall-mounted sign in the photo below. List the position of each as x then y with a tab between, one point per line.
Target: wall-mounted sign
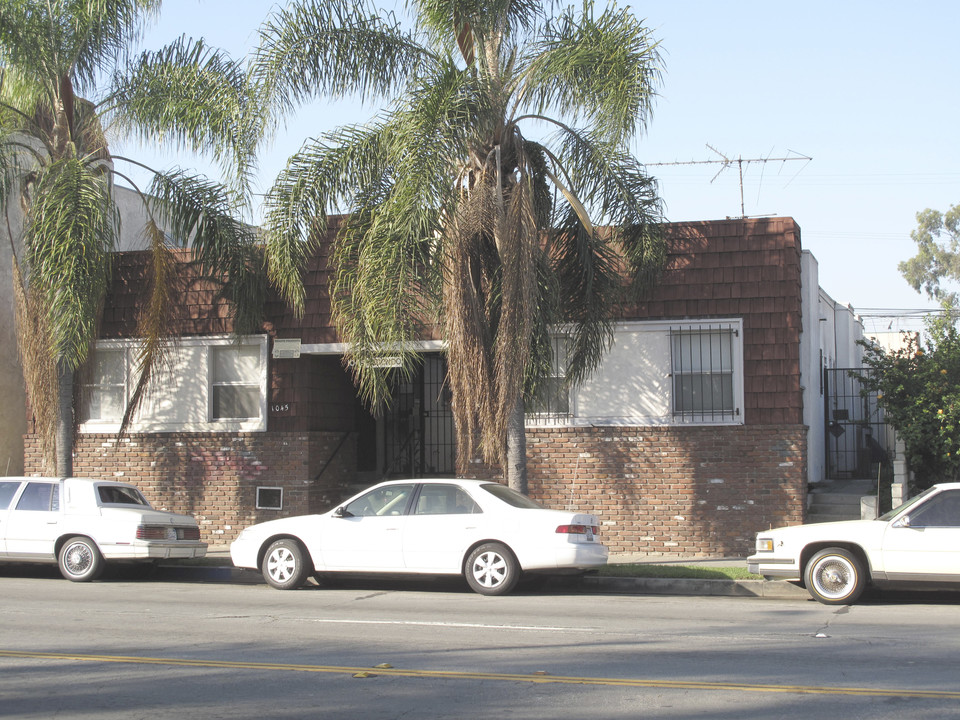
284	348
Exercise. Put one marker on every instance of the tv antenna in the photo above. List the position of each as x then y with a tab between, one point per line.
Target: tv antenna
726	162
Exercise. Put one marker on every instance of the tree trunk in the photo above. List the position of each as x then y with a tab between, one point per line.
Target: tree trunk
64	437
517	449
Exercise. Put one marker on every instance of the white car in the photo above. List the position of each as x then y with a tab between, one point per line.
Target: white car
918	542
480	529
81	523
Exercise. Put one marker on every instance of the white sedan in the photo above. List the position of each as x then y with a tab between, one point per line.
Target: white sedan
81	523
480	529
917	542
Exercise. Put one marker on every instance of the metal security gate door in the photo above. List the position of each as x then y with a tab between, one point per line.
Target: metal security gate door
857	435
418	429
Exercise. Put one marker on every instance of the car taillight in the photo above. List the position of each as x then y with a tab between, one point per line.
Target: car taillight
188	533
150	532
578	529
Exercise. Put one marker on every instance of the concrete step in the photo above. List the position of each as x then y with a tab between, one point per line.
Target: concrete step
837	500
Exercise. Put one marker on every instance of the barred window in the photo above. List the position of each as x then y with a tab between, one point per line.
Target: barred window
704	361
552	401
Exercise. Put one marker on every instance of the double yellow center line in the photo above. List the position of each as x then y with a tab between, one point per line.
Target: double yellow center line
502	677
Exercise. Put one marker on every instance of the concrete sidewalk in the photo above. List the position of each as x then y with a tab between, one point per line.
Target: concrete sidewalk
224	571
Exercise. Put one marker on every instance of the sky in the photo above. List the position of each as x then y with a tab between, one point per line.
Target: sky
865	90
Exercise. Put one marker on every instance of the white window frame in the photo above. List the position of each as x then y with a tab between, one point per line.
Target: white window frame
87	388
212	383
703	416
635	379
202	420
560	354
261	506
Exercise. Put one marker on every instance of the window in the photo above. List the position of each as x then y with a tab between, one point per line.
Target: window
40	497
552	400
235	382
103	387
204	384
511	497
269	498
388	500
445	500
120	495
703	360
7	491
942	510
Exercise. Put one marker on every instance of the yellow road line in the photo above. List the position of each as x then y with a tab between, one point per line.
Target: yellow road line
502	677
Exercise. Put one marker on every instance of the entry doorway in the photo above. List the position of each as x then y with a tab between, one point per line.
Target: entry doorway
417	432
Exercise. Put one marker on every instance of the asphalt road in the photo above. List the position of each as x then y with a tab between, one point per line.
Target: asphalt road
166	647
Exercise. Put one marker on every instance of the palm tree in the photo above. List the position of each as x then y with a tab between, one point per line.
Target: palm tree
68	79
460	214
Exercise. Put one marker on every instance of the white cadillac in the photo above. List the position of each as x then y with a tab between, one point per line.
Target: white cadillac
81	523
917	542
480	529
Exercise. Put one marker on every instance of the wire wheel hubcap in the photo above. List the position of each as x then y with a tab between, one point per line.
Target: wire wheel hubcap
78	558
834	577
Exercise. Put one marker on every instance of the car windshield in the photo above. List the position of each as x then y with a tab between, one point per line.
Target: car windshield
511	496
120	495
888	516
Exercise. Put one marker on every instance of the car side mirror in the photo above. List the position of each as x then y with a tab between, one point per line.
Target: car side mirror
903	522
342	512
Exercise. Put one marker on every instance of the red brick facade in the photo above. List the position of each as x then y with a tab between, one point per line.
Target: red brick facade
685	490
215	477
674	490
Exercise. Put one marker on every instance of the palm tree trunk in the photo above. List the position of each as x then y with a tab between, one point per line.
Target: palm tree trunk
517	448
64	438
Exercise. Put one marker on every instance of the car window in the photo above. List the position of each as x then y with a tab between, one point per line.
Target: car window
891	514
388	500
445	500
118	494
7	490
511	496
43	497
942	510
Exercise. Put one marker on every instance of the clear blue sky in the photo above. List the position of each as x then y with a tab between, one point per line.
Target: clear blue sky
866	89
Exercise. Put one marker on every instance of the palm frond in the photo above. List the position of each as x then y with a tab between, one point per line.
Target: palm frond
71	228
193	96
335	48
202	213
37	358
603	69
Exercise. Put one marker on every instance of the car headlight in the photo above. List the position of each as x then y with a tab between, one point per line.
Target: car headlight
764	544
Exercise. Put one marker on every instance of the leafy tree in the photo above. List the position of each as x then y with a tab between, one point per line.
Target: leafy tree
68	75
918	387
937	261
460	214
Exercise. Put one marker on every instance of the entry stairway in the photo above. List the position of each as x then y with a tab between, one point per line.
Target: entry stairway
833	500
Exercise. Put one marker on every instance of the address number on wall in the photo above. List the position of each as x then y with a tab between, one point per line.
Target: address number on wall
280	407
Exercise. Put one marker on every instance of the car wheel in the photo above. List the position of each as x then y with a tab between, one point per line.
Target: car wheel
80	560
835	577
492	569
285	565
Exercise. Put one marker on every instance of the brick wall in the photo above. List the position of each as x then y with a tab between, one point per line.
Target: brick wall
214	477
674	490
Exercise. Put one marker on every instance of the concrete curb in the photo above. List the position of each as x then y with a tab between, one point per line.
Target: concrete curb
765	589
762	589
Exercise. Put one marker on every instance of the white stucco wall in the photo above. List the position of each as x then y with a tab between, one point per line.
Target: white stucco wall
828	339
633	381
